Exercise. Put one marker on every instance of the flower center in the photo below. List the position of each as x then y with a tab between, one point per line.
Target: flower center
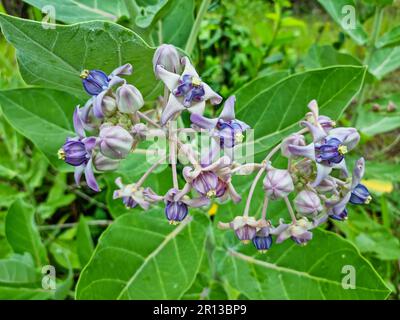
211	193
342	149
196	82
368	199
61	154
84	74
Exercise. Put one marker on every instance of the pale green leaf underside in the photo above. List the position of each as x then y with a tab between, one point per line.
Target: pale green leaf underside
289	271
384	61
55	57
340	14
141	256
275	111
44	116
66	10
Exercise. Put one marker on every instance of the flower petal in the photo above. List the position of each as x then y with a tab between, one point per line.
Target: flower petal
322	172
228	112
203	122
209	93
90	178
198	108
97	105
170	79
124	70
189	69
358	172
78	174
173	106
307	151
78	125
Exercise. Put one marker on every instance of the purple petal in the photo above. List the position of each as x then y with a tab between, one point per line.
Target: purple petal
78	123
203	122
124	70
90	178
322	172
228	112
173	106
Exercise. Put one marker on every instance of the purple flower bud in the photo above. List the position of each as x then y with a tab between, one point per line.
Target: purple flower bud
129	202
326	123
263	240
176	211
103	163
191	88
115	142
74	152
129	99
307	202
94	81
360	195
294	139
166	56
277	183
208	184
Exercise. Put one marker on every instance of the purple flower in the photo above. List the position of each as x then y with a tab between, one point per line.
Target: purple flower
132	195
356	193
244	227
228	129
298	231
295	140
263	239
187	91
177	204
327	149
98	84
78	153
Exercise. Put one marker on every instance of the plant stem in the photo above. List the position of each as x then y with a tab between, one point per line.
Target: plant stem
264	208
196	26
277	26
291	212
146	118
370	51
149	171
172	153
73	224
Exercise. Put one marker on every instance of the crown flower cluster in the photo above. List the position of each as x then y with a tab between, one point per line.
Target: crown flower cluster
316	185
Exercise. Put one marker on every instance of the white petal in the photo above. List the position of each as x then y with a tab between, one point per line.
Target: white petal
198	107
189	69
173	106
322	173
228	112
209	93
170	79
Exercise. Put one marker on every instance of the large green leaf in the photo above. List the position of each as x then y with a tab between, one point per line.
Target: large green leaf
72	11
275	112
55	57
42	115
384	61
390	38
84	242
141	256
22	233
290	271
325	56
334	8
20	280
175	33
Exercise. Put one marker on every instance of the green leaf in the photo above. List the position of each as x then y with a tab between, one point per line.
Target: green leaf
275	112
390	38
84	242
177	24
325	56
73	11
141	256
149	11
42	115
384	61
55	57
335	7
19	279
315	268
22	233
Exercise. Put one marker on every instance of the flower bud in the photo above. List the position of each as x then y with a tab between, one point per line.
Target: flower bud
307	202
294	139
74	152
340	216
277	183
129	99
103	163
94	81
167	56
115	142
360	195
176	211
139	131
108	105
